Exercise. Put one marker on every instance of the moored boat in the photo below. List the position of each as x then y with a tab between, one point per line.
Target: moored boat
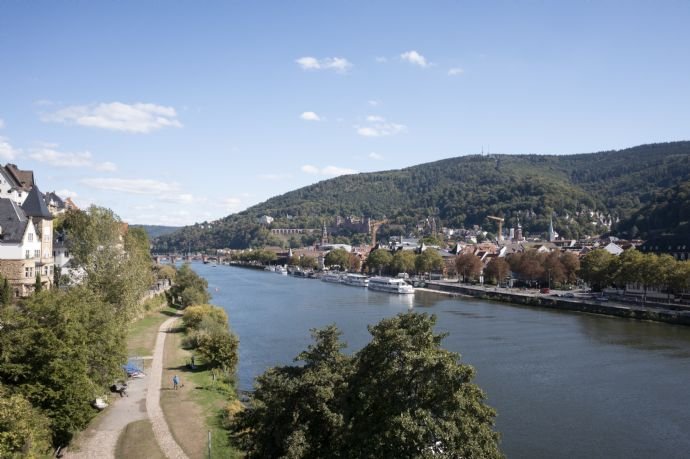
334	277
356	280
390	285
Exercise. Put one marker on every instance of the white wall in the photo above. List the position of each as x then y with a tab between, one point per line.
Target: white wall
16	251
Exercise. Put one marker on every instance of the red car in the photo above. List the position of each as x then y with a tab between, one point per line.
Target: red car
545	290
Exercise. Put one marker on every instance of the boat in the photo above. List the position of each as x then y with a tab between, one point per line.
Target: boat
356	280
281	270
390	285
334	277
270	268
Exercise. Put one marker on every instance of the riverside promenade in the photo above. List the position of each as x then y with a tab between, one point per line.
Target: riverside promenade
658	313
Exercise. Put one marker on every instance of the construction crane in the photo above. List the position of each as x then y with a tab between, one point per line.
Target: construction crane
500	221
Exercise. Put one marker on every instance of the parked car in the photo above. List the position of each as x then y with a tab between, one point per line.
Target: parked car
545	290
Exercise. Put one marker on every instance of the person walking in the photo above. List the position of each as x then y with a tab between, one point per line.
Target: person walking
176	382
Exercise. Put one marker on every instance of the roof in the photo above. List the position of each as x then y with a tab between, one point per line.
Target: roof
25	179
35	205
13	221
52	197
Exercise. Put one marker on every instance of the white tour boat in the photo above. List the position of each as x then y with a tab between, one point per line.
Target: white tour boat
390	285
356	280
332	277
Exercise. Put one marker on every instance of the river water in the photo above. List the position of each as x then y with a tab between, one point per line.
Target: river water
564	384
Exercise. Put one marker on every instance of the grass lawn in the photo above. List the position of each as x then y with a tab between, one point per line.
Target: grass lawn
141	336
195	408
137	440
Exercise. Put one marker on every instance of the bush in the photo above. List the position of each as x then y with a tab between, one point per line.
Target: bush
195	315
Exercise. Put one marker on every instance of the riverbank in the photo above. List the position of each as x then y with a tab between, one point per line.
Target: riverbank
609	308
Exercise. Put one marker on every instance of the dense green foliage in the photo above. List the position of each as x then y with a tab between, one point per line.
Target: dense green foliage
60	350
667	210
24	430
402	395
462	192
189	288
601	269
116	260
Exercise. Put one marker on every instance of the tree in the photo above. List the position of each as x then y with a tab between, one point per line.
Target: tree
403	262
24	430
354	263
599	268
571	265
307	262
469	265
429	261
220	350
6	293
402	395
189	287
379	260
38	285
297	411
409	397
554	271
60	349
497	269
337	257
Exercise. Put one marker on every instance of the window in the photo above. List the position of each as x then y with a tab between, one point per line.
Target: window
37	254
31	237
28	254
27	272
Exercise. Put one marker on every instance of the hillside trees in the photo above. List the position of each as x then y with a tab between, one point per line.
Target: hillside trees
402	395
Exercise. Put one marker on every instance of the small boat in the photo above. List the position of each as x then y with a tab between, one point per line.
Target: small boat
281	270
334	277
390	285
356	280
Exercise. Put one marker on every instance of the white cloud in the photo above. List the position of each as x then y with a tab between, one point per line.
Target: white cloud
65	193
379	127
413	57
339	64
310	116
180	198
7	151
373	102
455	71
376	156
133	186
309	169
47	153
136	118
328	170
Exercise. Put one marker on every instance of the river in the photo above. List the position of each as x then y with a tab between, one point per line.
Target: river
564	384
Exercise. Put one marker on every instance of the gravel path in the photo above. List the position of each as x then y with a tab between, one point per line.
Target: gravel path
165	440
100	440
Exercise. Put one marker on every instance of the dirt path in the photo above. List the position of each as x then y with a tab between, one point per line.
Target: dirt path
100	439
153	406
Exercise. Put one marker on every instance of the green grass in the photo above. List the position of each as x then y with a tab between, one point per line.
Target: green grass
213	396
137	440
141	336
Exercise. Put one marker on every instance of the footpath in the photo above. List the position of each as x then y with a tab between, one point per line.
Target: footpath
100	439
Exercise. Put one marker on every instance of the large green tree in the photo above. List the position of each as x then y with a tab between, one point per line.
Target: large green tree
379	260
403	262
429	261
599	269
402	395
338	257
59	350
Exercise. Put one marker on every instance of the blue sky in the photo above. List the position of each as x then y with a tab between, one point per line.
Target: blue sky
181	112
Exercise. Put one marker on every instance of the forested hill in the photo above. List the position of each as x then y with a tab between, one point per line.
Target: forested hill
583	192
154	231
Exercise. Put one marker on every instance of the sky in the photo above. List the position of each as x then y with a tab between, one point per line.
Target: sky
180	112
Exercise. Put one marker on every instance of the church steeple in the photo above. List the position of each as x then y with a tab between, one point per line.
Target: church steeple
324	234
552	234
